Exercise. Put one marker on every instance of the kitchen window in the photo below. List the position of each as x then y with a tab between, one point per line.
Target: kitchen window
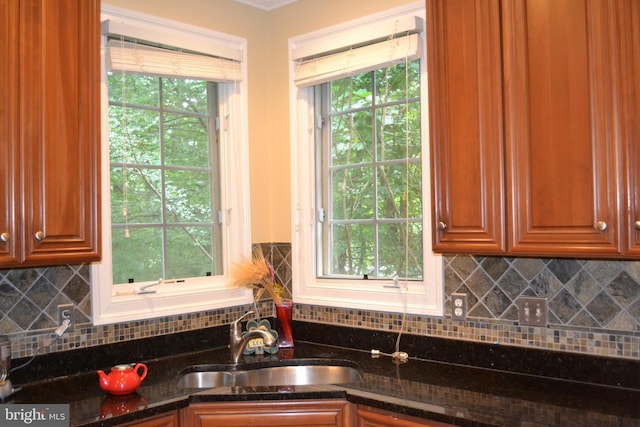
174	169
369	177
164	168
360	166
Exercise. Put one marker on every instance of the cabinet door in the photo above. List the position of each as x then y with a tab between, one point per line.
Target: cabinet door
466	122
59	111
285	413
629	15
368	417
163	420
561	127
8	132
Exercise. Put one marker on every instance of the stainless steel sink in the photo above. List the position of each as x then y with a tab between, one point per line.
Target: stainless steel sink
279	373
206	379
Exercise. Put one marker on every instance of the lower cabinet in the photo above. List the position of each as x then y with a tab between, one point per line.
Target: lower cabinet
169	419
294	413
285	413
370	417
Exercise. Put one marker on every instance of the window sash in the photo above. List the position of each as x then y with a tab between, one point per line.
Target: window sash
324	188
163	225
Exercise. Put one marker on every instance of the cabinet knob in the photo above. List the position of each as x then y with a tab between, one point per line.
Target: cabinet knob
39	236
442	225
601	226
5	236
638	225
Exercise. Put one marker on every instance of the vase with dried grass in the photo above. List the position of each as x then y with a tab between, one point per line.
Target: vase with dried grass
257	274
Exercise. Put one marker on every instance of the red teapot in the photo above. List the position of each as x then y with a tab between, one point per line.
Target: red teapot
123	379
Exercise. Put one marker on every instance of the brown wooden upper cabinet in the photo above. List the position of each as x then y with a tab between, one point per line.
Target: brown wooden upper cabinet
49	132
534	123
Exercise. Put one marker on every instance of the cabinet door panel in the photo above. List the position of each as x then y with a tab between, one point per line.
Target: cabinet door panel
465	108
559	63
163	420
8	132
629	14
368	417
312	413
59	87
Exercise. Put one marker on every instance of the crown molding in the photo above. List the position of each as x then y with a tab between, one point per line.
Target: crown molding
266	4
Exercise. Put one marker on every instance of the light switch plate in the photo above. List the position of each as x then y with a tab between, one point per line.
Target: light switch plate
532	311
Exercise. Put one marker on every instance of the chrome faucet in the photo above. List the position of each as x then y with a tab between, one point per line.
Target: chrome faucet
237	342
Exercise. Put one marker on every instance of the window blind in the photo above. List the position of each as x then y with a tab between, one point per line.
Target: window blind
358	60
142	59
353	50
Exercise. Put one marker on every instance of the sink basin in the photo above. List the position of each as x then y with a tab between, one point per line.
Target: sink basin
206	379
279	373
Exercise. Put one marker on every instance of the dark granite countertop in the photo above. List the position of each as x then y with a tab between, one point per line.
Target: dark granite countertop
436	390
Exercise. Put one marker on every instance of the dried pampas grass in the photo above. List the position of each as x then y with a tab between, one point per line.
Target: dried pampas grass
257	273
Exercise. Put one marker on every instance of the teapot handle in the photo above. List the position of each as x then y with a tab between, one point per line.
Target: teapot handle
144	370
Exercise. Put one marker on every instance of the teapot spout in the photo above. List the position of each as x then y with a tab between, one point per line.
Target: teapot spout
104	378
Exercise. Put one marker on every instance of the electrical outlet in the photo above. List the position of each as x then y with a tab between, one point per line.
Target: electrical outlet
532	311
66	311
458	306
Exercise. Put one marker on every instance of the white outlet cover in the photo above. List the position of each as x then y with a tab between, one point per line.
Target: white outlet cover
458	306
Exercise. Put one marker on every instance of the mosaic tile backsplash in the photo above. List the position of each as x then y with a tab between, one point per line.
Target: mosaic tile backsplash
593	306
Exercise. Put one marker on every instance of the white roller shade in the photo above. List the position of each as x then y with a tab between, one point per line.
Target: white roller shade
142	59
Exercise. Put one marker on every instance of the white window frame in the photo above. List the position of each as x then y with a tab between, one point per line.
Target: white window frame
199	294
419	297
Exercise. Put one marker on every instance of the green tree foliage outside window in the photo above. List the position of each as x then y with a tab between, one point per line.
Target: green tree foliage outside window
371	174
164	178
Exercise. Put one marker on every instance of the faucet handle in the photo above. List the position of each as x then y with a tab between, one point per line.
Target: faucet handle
239	319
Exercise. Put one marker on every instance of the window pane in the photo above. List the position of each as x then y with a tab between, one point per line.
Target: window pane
137	89
182	259
393	140
350	93
351	138
353	251
393	250
353	193
188	196
391	83
186	141
143	188
395	196
138	256
134	135
185	94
